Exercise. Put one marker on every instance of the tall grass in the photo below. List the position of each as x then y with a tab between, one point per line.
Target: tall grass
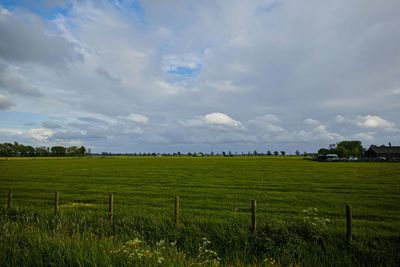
83	238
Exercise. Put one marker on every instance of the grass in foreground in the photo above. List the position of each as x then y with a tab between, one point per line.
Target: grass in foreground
215	200
84	239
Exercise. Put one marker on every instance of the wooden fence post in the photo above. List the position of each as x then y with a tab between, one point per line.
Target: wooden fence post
253	216
348	223
110	207
176	211
9	201
56	199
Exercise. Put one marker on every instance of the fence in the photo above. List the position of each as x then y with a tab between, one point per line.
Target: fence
177	207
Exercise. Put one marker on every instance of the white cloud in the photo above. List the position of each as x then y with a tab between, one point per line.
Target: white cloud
310	121
36	134
40	134
139	118
363	137
322	133
372	121
340	119
217	118
224	86
167	88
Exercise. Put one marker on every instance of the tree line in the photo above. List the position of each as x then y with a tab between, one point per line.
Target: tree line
344	149
19	150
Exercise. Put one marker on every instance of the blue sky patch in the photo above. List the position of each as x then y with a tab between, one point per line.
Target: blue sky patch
11	119
185	71
39	7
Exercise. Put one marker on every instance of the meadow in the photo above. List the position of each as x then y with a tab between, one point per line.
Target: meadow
300	211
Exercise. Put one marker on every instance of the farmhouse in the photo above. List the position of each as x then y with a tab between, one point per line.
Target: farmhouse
389	153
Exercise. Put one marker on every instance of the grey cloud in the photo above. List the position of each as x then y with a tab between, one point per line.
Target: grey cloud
294	61
68	135
5	103
91	120
106	75
12	83
26	38
50	125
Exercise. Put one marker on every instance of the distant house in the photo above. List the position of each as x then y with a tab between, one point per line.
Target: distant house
328	157
389	153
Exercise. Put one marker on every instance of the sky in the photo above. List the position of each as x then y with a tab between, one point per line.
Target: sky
199	76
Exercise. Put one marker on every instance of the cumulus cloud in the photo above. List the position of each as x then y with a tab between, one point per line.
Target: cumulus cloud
217	118
139	118
40	134
5	103
372	121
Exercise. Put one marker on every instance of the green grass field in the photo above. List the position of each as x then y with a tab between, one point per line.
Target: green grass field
216	192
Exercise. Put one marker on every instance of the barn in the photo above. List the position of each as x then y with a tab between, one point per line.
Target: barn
389	153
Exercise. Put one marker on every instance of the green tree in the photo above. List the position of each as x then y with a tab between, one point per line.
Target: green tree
349	148
323	151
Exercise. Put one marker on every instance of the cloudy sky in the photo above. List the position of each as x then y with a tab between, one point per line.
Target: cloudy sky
165	76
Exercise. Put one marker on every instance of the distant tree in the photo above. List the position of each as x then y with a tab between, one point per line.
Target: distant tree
223	153
276	153
81	151
30	151
71	151
255	153
283	153
41	151
7	150
58	151
297	153
269	153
